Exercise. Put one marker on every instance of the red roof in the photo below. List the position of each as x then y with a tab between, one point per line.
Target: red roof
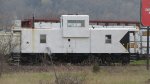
29	22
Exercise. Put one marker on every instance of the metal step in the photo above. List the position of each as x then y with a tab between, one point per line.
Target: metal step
134	56
15	59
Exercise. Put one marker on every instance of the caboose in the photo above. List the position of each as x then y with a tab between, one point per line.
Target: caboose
74	36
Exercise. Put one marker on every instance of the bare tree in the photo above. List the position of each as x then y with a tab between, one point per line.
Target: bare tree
8	43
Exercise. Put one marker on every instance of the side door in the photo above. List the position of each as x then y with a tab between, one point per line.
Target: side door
69	45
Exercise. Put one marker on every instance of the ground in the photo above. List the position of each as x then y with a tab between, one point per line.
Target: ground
107	74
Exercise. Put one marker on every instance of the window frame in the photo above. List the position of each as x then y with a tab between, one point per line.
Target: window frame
43	38
108	39
75	23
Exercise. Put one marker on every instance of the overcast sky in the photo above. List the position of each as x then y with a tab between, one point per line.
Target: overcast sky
97	9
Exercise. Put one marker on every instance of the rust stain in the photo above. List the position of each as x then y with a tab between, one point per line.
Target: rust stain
33	39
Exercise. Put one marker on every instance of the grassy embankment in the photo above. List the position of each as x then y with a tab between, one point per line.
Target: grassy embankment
107	75
138	62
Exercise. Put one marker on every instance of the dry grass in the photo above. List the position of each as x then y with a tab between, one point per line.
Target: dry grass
120	75
107	75
26	78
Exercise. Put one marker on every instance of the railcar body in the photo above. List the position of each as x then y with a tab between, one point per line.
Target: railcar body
74	35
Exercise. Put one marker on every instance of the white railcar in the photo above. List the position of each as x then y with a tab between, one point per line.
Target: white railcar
74	35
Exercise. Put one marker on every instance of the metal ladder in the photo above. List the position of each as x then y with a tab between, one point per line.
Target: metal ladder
15	59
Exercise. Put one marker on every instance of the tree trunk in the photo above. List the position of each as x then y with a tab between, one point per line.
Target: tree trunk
1	64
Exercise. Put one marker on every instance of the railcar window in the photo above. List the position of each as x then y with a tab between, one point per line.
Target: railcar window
108	39
42	38
75	23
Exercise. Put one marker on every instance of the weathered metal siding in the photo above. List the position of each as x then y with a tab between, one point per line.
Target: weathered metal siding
75	40
59	44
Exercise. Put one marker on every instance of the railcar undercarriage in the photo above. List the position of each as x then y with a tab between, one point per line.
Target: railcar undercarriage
76	59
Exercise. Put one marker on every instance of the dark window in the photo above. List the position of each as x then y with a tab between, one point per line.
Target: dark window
108	39
75	23
42	38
